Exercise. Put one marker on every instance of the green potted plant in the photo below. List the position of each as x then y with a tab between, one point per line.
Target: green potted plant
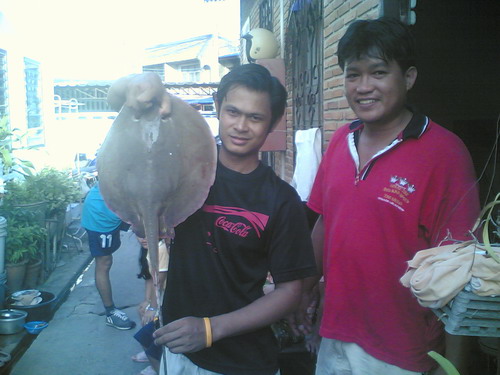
22	201
24	210
58	189
10	163
12	167
42	198
49	191
55	187
24	241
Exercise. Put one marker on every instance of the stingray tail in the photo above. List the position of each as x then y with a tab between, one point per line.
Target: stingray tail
151	229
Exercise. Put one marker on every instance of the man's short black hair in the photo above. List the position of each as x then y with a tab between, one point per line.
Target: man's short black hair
385	38
258	78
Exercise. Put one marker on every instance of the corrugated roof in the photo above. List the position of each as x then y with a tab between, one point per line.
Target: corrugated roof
83	82
188	49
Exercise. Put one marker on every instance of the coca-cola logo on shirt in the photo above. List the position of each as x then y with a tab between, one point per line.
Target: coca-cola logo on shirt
238	228
238	221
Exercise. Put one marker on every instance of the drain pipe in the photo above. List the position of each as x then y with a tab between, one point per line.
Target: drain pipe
3	274
3	234
282	28
3	222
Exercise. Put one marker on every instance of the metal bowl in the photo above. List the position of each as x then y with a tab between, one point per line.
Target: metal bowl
12	321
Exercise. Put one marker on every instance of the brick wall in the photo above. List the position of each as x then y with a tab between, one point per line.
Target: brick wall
337	14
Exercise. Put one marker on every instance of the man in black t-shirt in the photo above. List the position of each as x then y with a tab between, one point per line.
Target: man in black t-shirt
217	318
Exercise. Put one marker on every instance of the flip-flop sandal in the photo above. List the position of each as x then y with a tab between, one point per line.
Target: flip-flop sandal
140	357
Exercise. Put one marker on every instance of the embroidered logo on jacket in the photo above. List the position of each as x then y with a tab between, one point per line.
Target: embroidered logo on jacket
398	192
237	220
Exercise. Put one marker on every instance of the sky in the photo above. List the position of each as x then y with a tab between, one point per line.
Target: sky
104	39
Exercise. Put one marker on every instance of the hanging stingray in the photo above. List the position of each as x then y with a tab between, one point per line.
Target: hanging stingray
154	172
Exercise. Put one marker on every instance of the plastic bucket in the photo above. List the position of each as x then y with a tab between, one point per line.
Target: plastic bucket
42	311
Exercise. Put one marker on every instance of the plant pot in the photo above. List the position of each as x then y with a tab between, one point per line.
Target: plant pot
15	275
32	277
34	210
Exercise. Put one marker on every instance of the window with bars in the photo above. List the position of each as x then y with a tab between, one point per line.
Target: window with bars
266	22
401	9
4	104
304	58
267	158
82	98
266	15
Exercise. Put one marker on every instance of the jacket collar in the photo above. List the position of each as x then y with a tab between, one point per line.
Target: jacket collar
415	128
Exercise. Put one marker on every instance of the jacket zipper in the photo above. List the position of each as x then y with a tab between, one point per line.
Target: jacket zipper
361	175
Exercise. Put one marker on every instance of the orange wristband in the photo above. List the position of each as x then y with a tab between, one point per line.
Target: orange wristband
208	332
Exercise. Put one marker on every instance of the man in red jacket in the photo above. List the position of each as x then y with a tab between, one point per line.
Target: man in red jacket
391	183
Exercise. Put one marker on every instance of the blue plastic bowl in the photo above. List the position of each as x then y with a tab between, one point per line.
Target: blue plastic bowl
35	327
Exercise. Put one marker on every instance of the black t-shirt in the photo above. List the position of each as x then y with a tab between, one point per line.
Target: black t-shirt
249	225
